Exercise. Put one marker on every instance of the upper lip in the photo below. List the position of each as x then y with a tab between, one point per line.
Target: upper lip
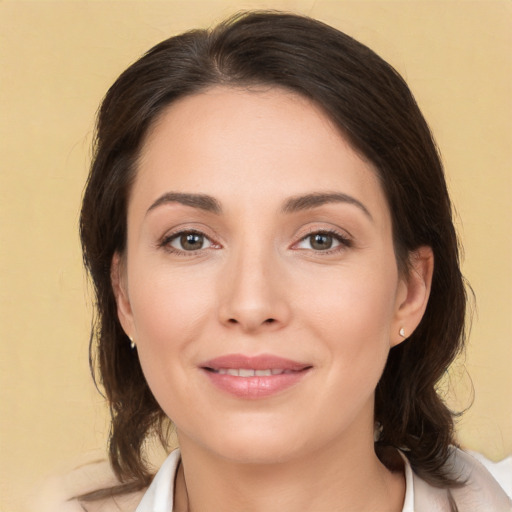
260	362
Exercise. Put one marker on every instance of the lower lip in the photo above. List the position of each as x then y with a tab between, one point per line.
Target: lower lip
257	386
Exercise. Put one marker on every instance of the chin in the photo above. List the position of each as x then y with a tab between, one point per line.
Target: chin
260	445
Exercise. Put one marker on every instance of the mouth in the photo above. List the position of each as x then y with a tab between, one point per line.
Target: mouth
254	377
248	372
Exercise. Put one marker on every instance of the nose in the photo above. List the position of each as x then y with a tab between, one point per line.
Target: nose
254	295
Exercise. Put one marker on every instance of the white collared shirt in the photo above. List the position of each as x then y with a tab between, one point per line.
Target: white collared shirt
481	493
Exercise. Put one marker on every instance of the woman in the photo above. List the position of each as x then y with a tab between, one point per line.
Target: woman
268	230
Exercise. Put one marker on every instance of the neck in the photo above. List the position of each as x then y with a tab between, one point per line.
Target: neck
344	476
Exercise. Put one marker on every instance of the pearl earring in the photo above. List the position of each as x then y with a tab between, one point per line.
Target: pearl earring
132	343
402	332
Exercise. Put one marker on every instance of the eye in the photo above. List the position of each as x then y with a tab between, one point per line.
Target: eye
188	241
323	241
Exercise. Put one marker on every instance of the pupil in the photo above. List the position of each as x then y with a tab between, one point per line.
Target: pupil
321	242
191	241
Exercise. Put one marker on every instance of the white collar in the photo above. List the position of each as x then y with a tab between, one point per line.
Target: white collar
160	494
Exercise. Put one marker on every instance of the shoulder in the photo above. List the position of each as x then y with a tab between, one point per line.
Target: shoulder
59	492
480	492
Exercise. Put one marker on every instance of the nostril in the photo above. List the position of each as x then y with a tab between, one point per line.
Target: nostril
234	321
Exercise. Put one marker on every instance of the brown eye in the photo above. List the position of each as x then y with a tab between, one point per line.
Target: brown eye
321	241
189	241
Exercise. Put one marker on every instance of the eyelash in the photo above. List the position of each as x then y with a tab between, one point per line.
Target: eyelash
165	243
344	241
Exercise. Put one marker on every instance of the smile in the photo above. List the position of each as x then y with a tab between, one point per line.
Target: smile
254	377
244	372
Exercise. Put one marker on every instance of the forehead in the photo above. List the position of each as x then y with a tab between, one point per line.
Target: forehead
237	114
251	143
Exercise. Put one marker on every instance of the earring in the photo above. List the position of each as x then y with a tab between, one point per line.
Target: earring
402	332
132	343
377	431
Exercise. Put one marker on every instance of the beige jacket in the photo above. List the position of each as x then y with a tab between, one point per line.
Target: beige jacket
481	493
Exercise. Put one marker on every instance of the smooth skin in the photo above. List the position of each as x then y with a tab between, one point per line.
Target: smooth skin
253	269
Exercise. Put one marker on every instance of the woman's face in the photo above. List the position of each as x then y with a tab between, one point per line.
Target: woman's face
260	281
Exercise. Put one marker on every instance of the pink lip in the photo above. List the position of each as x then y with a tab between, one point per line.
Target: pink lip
258	386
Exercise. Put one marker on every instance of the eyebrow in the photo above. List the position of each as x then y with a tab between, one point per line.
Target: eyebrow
291	205
201	201
316	199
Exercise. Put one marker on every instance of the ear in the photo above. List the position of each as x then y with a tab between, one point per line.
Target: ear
119	286
413	294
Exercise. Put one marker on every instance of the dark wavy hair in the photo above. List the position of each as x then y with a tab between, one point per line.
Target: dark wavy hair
374	109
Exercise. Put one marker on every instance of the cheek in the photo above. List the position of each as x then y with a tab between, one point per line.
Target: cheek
168	303
356	304
353	318
170	311
167	322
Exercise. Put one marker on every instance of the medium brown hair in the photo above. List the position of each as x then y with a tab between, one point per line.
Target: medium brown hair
374	109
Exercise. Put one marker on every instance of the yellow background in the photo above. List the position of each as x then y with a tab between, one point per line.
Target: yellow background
57	59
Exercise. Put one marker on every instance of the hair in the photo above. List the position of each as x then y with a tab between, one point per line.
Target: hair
375	111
